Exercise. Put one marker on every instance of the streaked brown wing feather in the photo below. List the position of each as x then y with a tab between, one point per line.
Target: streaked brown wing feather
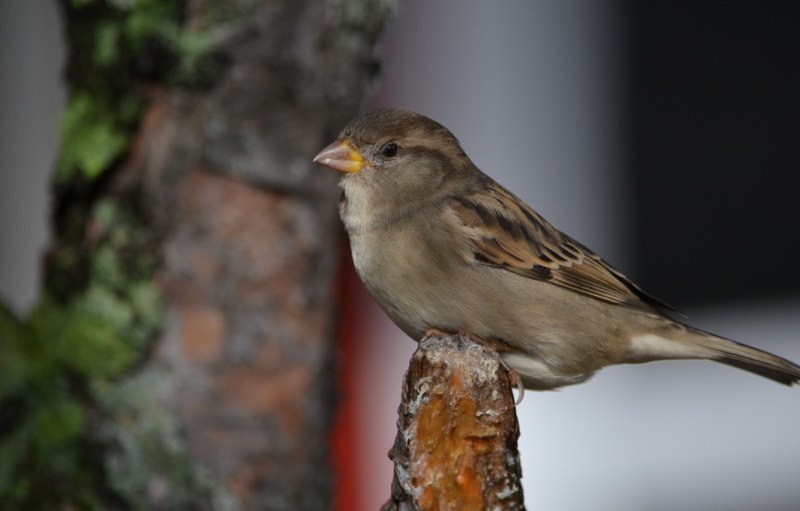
505	232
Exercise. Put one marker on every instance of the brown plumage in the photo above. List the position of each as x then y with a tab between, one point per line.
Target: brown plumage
442	246
509	234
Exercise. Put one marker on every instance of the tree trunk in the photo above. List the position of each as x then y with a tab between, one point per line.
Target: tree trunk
195	255
457	431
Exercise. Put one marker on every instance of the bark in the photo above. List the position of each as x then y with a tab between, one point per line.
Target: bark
229	402
457	431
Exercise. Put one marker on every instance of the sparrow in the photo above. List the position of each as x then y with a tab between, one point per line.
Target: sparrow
443	248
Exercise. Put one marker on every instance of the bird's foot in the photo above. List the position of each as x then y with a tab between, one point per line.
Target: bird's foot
497	345
515	379
466	336
435	332
462	334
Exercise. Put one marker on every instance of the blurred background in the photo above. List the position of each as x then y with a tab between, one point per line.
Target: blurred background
663	135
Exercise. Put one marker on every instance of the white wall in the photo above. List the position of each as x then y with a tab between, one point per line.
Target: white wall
31	96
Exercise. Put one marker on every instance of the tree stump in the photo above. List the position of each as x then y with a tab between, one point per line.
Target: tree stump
457	431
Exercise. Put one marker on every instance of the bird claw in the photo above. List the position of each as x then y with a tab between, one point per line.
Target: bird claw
515	380
435	332
466	336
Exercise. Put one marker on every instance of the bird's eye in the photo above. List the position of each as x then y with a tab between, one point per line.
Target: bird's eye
389	150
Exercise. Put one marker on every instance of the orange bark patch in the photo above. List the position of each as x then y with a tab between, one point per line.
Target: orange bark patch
258	393
202	334
455	438
457	431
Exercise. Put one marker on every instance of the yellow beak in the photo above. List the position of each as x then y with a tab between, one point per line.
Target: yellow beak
341	156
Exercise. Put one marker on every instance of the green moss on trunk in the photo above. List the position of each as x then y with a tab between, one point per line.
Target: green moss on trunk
115	397
119	47
61	362
67	373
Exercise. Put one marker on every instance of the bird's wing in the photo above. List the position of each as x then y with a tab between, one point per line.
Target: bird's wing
505	232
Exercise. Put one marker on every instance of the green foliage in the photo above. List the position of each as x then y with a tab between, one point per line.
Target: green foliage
66	441
91	137
118	48
43	442
60	362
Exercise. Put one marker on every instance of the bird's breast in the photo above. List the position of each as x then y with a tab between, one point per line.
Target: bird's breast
408	276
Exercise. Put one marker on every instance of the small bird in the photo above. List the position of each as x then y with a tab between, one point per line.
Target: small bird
443	248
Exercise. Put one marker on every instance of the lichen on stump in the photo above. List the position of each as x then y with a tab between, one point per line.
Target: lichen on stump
457	431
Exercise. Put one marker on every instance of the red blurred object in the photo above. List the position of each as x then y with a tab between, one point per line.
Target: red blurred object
345	430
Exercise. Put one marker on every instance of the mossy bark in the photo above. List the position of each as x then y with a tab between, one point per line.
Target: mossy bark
189	315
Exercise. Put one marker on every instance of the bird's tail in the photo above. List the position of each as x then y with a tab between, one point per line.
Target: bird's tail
679	341
754	360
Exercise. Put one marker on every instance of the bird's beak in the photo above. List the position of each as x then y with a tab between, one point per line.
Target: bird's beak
341	156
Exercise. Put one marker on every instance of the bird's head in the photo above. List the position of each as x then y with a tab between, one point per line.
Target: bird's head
394	156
